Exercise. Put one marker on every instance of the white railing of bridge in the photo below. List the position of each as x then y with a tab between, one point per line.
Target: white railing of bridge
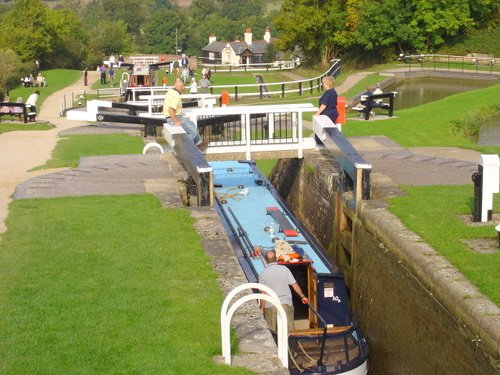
270	123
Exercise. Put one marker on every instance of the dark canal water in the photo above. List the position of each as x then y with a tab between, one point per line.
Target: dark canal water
414	92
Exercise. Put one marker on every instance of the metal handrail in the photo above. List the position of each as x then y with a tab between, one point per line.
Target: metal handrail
325	330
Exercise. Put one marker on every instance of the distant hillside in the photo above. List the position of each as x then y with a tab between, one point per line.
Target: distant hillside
183	3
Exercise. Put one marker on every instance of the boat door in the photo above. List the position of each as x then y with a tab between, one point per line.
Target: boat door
332	300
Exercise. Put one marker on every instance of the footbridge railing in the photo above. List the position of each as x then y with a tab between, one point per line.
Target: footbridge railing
251	129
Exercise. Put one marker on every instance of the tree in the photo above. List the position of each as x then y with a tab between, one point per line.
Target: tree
26	30
237	10
386	23
160	32
438	19
69	39
303	23
10	68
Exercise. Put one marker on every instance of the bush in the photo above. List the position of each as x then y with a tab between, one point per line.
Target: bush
477	41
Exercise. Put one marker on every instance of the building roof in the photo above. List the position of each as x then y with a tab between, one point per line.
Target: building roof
214	46
257	46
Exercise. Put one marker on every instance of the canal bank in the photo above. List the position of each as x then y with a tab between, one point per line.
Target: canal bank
419	314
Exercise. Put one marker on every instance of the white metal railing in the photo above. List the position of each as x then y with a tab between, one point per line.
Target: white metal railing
252	89
227	313
259	128
478	63
250	67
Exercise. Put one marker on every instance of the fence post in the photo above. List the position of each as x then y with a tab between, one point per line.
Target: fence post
260	91
236	93
300	88
282	90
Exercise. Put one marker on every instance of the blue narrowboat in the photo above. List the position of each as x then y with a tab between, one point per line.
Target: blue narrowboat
326	338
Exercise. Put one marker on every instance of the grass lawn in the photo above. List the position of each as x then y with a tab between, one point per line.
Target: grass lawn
98	285
11	127
56	79
70	148
433	212
431	124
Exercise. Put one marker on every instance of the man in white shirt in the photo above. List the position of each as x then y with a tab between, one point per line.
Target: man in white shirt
31	105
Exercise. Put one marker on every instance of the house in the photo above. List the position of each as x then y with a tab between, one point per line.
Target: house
245	52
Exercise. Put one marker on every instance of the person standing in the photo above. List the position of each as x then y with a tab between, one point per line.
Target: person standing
102	69
184	61
279	278
31	104
193	87
111	76
328	101
172	109
204	84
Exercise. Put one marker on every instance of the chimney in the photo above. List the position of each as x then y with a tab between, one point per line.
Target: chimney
212	38
248	35
267	35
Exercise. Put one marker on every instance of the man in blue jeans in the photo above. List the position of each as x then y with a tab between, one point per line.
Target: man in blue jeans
172	109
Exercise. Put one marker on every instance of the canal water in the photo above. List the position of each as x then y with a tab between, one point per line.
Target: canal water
418	91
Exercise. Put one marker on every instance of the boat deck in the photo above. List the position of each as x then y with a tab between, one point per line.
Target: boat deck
238	188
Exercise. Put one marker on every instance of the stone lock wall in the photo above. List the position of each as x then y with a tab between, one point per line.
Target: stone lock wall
408	298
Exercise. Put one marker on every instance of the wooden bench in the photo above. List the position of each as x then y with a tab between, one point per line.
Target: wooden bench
14	109
369	102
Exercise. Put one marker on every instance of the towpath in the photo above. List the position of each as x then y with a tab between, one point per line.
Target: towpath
24	150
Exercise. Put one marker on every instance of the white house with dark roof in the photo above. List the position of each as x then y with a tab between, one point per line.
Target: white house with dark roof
245	52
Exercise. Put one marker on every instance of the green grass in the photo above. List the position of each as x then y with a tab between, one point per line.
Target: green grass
6	127
431	124
362	85
99	285
69	149
266	166
56	79
433	212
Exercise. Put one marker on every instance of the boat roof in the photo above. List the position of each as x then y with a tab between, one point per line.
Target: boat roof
241	187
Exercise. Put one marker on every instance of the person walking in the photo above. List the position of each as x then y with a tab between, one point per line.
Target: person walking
279	278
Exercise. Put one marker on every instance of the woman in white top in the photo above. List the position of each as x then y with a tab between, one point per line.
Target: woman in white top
193	87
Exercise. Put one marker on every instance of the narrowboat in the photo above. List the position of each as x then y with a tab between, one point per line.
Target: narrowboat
326	338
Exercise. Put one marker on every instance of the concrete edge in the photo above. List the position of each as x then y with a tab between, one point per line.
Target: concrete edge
474	311
257	349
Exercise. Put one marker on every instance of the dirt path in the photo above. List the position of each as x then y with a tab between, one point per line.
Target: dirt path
23	150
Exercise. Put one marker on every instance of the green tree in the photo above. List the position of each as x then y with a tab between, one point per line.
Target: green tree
27	31
237	10
160	32
69	39
10	69
387	23
303	23
439	19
